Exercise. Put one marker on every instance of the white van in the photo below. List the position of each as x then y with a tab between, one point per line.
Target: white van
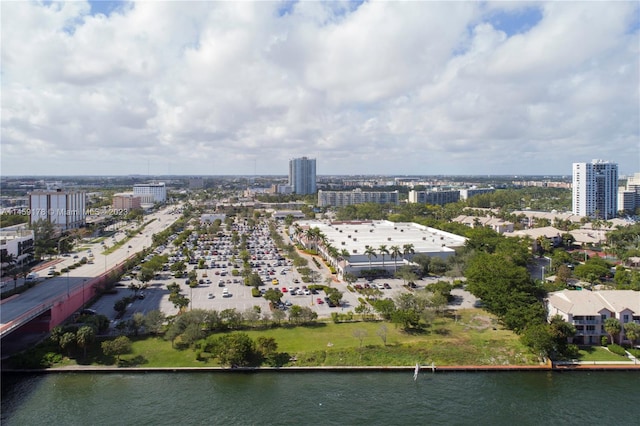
225	292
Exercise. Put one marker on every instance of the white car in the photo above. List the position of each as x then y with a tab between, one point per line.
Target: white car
210	296
225	292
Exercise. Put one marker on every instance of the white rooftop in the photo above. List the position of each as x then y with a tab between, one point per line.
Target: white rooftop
358	235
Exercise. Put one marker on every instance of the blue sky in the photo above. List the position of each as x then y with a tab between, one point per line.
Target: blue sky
364	87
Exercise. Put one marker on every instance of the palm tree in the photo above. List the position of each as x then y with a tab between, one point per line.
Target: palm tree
313	234
395	252
344	254
612	327
370	251
407	249
333	254
383	250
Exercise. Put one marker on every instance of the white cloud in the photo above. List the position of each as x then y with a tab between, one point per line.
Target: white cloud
380	87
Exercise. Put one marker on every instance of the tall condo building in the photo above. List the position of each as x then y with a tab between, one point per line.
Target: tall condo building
302	175
595	189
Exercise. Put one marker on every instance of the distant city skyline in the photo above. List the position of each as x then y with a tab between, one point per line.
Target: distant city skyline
107	88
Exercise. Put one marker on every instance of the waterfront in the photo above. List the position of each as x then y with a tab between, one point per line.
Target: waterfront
348	398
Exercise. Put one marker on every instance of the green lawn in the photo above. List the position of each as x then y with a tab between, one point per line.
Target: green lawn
598	353
472	340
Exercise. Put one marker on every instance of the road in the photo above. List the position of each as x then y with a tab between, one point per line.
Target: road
59	287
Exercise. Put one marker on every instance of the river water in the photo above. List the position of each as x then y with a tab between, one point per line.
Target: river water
319	398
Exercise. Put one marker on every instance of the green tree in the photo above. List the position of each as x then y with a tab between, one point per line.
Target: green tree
180	301
370	252
307	315
334	295
538	337
383	250
407	249
236	349
267	346
384	307
153	321
278	316
507	290
44	233
68	342
295	313
136	323
613	327
191	334
273	295
632	331
439	302
120	306
349	278
85	336
119	346
395	252
563	275
423	261
253	280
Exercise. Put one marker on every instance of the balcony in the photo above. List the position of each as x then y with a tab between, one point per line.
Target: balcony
586	322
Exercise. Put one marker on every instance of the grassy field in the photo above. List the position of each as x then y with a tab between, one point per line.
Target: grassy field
473	339
598	353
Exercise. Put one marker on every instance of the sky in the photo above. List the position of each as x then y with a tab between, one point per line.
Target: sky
391	88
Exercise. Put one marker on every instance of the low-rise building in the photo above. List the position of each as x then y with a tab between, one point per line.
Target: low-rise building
16	243
552	234
126	201
499	225
588	311
352	242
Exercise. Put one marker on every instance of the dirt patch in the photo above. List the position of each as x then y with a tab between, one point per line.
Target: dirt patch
480	322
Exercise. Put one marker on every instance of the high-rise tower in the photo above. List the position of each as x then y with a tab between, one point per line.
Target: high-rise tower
302	175
595	189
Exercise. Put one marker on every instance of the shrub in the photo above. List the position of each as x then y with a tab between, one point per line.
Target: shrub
604	340
634	352
255	292
617	349
63	270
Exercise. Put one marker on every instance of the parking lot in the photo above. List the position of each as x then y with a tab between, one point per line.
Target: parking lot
220	289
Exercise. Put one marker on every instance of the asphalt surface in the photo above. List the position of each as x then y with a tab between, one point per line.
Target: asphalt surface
57	288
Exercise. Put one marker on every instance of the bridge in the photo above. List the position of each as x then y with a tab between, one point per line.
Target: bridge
51	302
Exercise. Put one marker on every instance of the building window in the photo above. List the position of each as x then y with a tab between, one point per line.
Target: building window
625	318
